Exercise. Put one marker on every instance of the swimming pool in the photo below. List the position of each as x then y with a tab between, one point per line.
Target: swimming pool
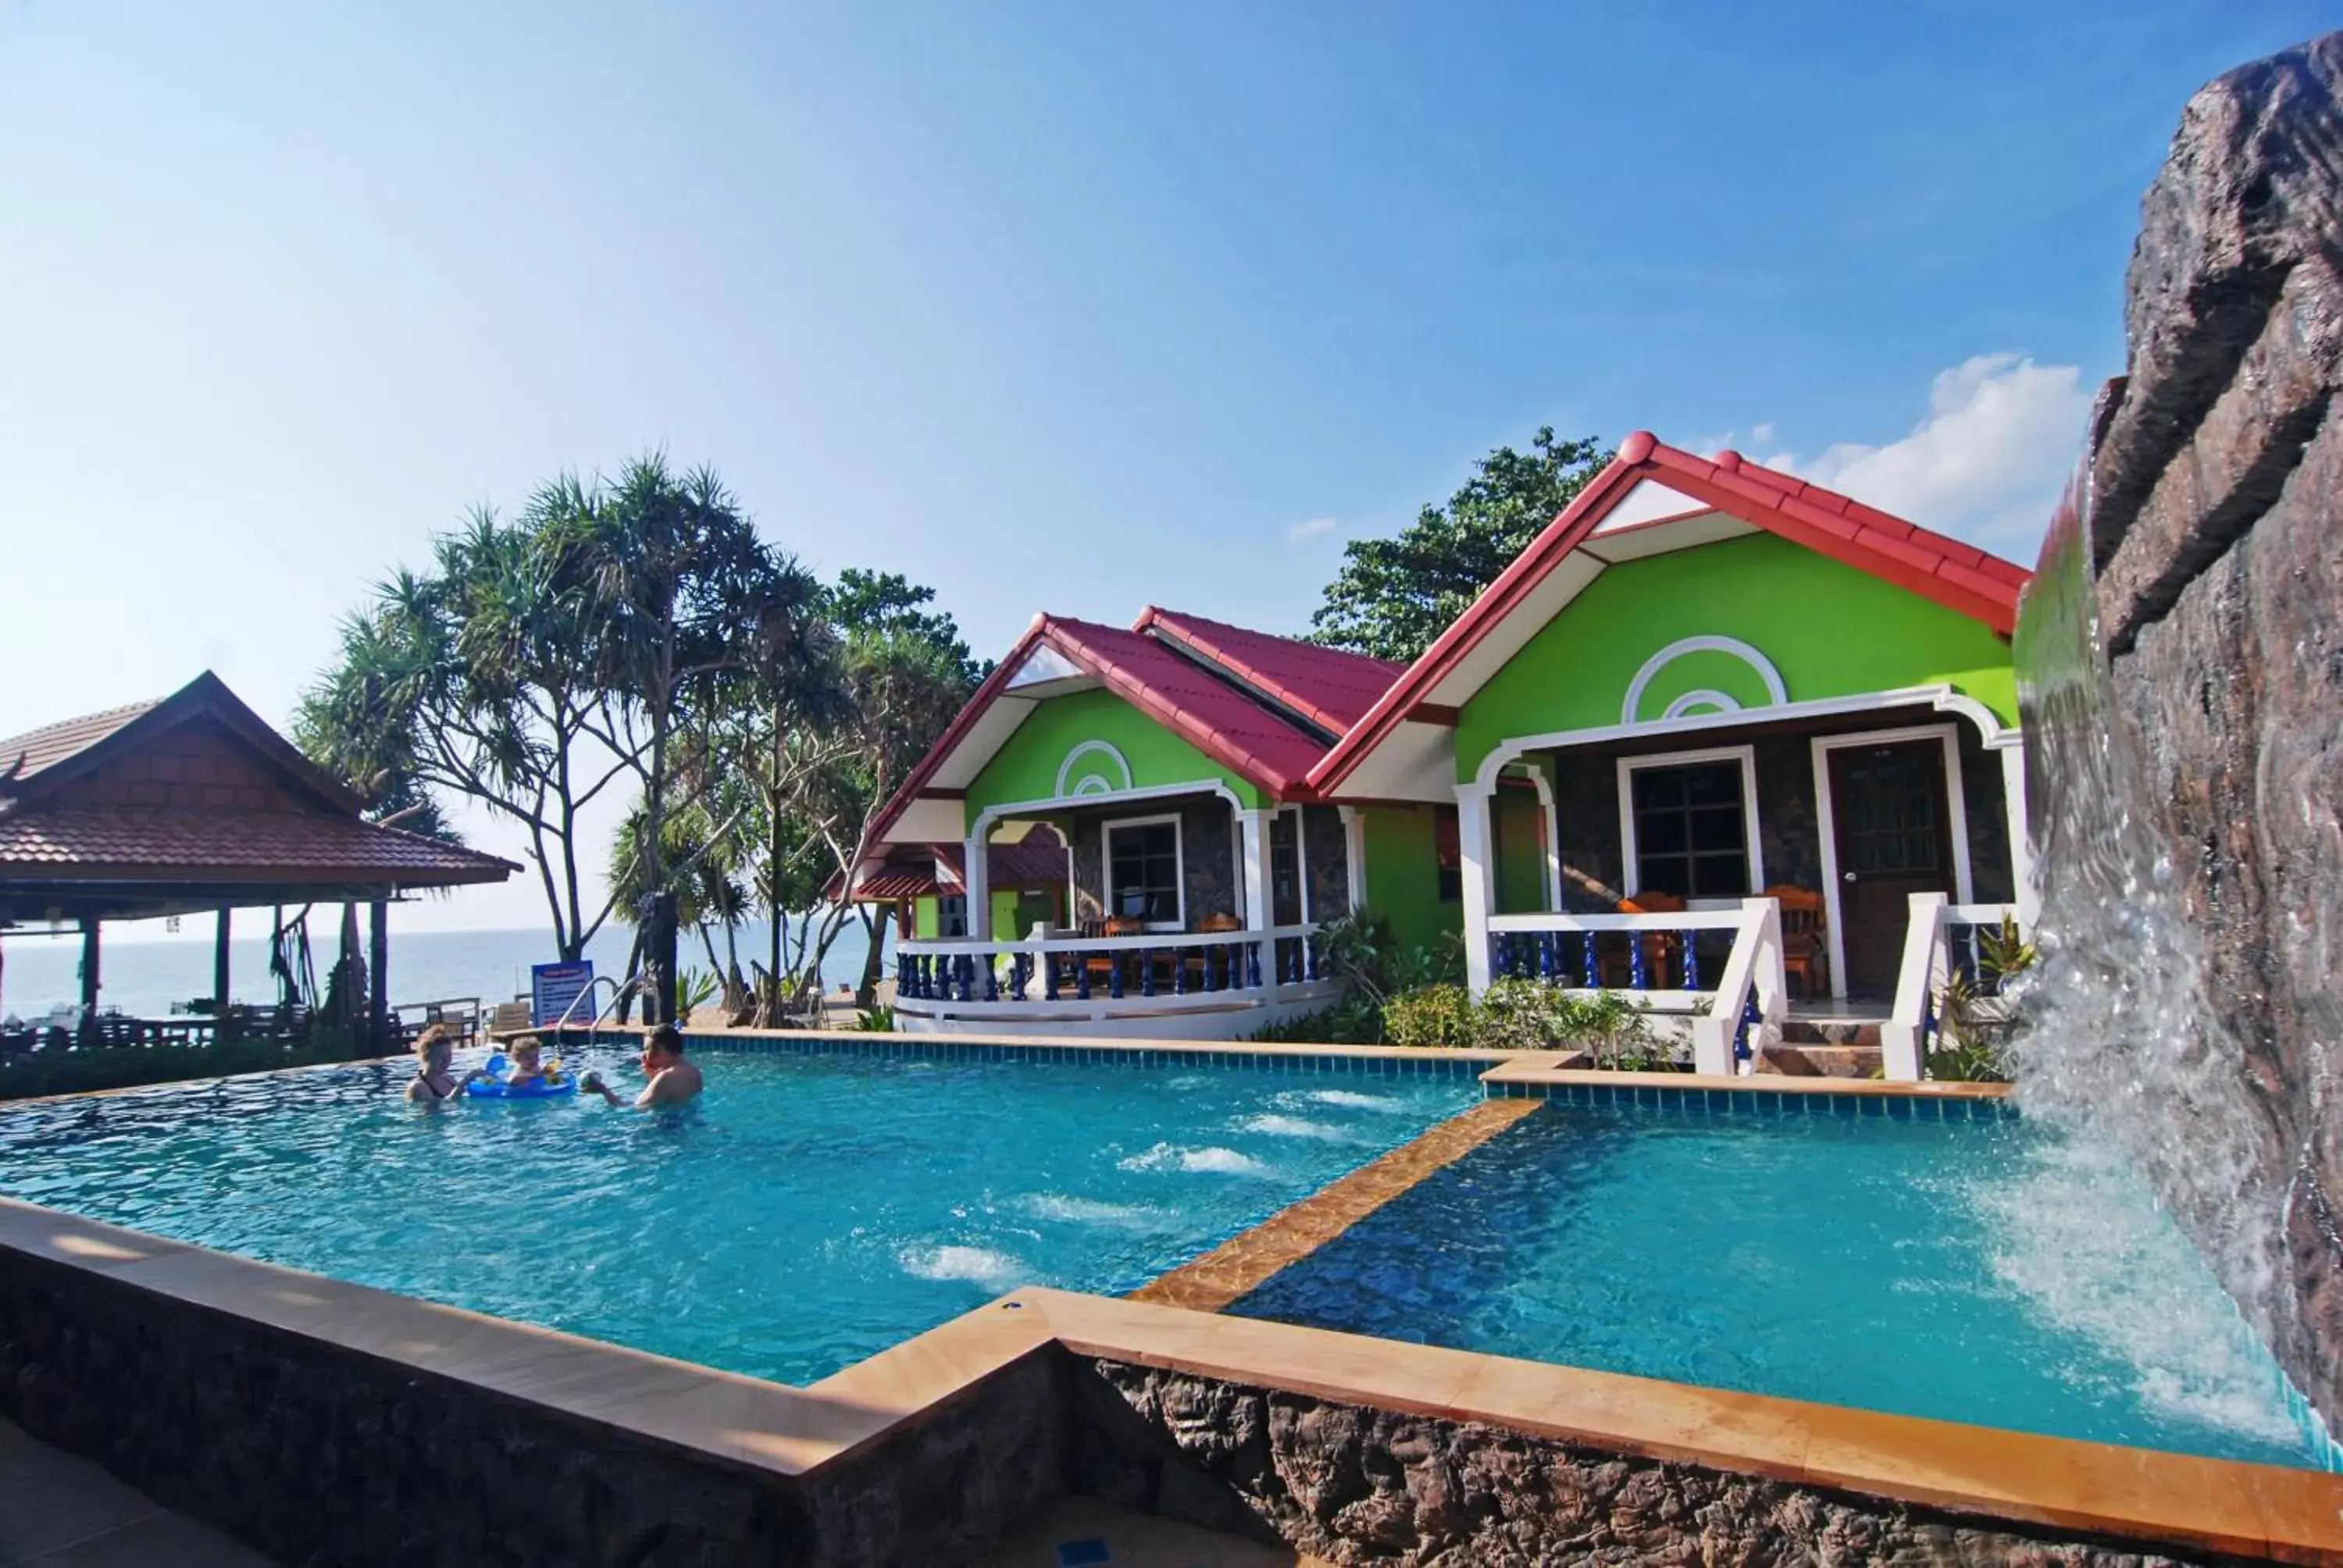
811	1209
1989	1271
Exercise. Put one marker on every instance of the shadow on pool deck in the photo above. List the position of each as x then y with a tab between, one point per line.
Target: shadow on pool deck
59	1512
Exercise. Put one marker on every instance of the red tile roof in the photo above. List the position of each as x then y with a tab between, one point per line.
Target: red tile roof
1959	576
52	743
128	842
1206	711
1037	861
1211	713
887	887
1330	687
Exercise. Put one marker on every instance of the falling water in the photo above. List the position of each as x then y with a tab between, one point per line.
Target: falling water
2124	1041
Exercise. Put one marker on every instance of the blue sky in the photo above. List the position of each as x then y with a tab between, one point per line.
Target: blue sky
1065	305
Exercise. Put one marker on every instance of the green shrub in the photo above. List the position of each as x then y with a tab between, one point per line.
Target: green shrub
1528	1015
1433	1015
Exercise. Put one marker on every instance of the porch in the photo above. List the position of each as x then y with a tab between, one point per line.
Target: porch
1751	879
1183	913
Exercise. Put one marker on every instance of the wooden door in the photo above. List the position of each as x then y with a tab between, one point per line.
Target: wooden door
1894	835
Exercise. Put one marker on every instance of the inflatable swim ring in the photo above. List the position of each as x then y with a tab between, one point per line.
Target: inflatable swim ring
496	1086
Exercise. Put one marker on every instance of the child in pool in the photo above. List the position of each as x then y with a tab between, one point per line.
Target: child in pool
527	1063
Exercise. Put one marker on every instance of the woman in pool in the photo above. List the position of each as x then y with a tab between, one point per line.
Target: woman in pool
434	1080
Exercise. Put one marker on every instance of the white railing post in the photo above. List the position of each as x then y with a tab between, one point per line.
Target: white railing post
1900	1049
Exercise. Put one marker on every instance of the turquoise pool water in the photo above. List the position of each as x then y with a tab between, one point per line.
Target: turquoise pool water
809	1211
1988	1272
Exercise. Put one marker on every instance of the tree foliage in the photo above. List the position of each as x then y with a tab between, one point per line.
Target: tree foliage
1393	595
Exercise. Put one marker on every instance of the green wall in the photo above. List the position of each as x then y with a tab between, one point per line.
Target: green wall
924	916
1026	765
1829	629
1521	857
1403	874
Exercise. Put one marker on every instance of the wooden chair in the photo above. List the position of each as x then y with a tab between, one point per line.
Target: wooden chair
1661	950
1806	953
509	1017
1102	966
1194	959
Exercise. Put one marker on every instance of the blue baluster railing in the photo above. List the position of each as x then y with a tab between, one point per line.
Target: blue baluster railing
1638	977
1252	965
1691	961
1146	972
1049	977
1082	977
1590	969
991	978
1114	975
1749	1019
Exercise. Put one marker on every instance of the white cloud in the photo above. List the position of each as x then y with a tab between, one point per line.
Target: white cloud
1988	463
1308	529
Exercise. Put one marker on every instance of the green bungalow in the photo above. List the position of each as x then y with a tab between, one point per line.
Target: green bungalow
1718	735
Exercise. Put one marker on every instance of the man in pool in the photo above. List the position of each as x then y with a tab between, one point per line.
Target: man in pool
673	1080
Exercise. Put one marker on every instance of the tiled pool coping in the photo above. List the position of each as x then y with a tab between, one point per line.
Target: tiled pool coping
2094	1490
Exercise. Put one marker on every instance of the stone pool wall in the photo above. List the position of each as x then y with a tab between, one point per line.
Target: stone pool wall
316	1452
1356	1485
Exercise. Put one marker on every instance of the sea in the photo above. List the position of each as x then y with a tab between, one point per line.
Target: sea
144	973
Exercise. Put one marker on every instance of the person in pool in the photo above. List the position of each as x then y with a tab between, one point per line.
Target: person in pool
528	1062
434	1080
673	1080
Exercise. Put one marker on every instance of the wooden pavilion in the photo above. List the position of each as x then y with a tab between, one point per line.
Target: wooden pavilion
192	804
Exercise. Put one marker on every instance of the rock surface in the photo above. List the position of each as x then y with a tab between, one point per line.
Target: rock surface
1354	1486
2217	469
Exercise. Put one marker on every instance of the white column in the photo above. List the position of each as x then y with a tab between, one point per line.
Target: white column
977	878
1254	869
1478	879
2021	842
1354	856
1549	829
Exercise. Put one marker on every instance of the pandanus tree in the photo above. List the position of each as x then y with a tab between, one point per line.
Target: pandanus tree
686	604
475	679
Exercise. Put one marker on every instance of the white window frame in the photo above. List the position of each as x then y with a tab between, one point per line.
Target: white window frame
1956	806
1630	873
1178	865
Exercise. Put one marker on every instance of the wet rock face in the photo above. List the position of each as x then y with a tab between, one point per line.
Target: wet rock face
2218	540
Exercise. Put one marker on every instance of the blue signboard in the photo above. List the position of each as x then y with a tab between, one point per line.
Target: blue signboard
553	987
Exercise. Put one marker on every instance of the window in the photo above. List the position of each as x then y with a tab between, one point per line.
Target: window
1691	830
1448	853
1142	872
952	916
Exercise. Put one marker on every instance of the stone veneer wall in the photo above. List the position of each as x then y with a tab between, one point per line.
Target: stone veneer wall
1207	849
2215	464
1326	853
1356	1485
1586	799
316	1453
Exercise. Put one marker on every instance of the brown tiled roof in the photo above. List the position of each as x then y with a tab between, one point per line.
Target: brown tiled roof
55	842
52	743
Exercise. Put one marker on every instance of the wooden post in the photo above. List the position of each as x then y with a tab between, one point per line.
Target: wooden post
219	965
378	966
88	977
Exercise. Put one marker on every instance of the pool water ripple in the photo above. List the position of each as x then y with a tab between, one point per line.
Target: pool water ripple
809	1211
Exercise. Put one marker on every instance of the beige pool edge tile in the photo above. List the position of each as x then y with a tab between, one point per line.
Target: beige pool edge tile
1246	1260
1527	1069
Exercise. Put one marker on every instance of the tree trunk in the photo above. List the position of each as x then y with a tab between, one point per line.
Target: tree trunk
874	925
